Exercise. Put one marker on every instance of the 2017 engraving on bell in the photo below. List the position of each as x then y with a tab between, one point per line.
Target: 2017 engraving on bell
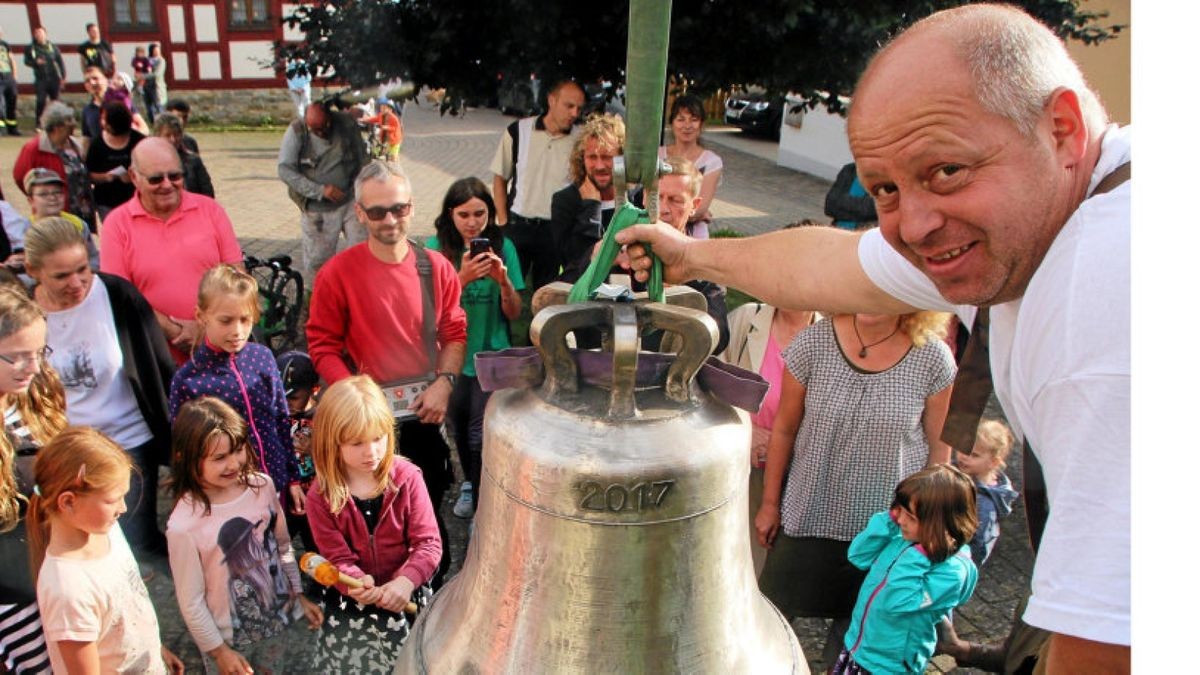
616	497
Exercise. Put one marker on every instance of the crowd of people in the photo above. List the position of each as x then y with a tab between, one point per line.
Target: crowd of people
875	492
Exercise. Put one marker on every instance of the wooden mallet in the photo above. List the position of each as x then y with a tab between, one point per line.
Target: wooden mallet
325	573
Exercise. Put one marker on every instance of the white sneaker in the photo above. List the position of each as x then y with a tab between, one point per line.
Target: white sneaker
465	506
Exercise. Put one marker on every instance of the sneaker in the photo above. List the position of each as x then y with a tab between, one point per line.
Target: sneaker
465	506
12	131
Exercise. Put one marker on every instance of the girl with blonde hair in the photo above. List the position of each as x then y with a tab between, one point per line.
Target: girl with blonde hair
34	406
243	374
96	612
371	517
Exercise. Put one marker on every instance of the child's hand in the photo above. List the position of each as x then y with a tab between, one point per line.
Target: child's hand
368	594
298	498
230	662
396	594
312	613
302	441
173	663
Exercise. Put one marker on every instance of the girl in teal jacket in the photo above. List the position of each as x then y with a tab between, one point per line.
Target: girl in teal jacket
920	570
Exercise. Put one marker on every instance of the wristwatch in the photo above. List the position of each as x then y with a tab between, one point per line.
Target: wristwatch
452	378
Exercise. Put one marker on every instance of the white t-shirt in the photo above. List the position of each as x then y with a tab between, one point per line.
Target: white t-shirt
102	601
89	361
1061	366
706	163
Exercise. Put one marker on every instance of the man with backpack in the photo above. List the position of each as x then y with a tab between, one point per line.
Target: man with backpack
389	309
318	160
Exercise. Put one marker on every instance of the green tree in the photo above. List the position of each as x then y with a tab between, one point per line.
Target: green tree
810	47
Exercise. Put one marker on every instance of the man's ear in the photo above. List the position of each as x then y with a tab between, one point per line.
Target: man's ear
1067	126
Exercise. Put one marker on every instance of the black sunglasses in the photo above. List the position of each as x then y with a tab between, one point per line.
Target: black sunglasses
173	176
378	212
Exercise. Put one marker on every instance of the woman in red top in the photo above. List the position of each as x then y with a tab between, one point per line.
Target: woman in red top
55	148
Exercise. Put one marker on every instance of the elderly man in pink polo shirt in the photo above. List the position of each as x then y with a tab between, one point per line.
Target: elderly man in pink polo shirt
165	239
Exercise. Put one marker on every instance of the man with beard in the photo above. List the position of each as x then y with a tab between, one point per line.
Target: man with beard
580	212
370	302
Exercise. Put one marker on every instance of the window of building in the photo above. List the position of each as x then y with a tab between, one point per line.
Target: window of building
249	14
133	15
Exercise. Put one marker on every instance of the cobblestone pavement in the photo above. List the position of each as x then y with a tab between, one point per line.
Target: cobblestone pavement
756	196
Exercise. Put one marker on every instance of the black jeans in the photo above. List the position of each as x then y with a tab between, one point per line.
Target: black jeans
465	419
8	92
140	520
424	446
46	88
535	247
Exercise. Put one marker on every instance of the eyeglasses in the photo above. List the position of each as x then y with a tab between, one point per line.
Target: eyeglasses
378	212
158	178
48	194
28	358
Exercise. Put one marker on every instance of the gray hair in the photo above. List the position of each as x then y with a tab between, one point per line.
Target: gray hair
379	170
680	166
57	114
1015	61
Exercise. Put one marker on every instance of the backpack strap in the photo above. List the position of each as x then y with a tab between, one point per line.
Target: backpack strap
428	329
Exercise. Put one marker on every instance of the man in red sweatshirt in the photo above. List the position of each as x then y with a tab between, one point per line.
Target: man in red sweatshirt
367	315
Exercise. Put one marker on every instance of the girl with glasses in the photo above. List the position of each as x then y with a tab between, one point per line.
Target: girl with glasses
34	406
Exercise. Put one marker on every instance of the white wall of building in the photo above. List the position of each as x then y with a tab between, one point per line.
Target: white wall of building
64	26
818	147
250	59
290	34
210	65
14	20
205	18
179	62
176	27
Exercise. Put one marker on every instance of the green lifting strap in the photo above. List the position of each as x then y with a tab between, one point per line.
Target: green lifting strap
598	269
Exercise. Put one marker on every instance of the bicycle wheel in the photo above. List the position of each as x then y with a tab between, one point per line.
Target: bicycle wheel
287	296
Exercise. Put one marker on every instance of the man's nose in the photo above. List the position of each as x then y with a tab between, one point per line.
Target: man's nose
918	216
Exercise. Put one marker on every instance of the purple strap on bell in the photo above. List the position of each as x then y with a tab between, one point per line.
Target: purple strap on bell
521	368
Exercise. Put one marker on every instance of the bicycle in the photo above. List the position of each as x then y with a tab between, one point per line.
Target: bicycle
281	295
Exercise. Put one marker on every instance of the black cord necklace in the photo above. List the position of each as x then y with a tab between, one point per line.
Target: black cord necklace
862	353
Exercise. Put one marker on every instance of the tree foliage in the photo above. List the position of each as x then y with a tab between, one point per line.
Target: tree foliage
812	48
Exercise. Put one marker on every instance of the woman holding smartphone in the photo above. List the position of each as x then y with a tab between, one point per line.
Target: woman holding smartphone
490	273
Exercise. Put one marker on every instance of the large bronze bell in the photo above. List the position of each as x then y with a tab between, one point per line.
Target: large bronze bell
611	531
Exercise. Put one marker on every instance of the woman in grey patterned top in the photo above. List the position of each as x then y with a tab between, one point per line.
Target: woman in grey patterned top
863	401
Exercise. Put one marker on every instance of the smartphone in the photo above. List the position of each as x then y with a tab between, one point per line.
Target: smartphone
480	245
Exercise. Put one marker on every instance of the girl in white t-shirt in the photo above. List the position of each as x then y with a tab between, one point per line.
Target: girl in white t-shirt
235	575
96	613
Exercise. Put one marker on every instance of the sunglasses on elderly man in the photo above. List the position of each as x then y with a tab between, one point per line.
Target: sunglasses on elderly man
379	212
158	178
